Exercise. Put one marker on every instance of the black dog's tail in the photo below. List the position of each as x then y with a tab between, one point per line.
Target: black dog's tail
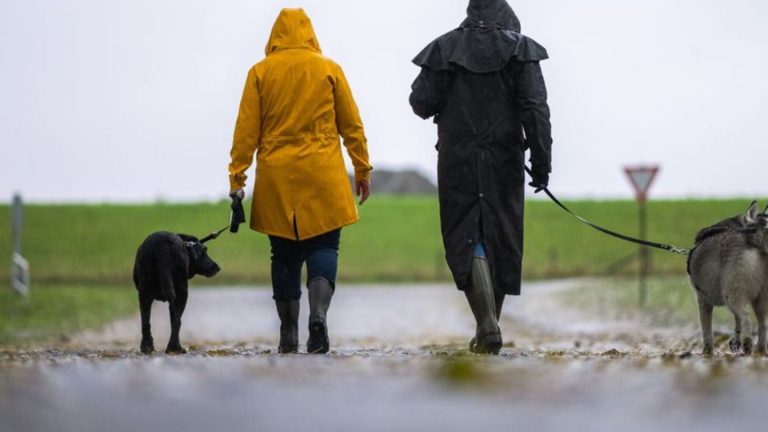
167	289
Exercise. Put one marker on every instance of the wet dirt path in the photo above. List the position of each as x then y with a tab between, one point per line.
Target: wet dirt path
398	363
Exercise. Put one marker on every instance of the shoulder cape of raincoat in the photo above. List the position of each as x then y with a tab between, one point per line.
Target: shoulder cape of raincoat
485	42
295	104
479	50
483	85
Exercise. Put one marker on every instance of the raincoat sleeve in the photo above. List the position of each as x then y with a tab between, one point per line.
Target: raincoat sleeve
350	127
427	93
531	96
247	133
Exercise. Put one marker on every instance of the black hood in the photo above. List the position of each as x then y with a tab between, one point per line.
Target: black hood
491	13
486	41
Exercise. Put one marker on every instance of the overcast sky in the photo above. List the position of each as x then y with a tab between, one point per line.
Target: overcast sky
107	100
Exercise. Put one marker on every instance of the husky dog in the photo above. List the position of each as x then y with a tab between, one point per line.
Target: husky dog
729	266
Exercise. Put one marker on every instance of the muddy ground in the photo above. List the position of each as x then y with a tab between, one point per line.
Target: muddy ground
398	363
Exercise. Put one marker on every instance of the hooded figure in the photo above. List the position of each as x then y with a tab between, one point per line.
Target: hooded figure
483	85
295	105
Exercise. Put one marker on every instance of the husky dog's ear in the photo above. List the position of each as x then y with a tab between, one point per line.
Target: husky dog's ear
751	216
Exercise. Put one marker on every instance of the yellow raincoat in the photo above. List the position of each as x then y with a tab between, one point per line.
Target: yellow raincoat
295	105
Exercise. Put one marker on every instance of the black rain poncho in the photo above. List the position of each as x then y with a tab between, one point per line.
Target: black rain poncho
483	84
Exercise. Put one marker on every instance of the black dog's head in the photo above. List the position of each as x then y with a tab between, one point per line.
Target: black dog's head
199	261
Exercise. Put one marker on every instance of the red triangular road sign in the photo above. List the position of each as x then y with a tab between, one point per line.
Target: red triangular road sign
641	178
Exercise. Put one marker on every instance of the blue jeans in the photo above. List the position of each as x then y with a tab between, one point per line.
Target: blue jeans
321	254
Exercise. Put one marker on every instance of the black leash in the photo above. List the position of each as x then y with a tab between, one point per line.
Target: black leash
662	246
214	235
236	218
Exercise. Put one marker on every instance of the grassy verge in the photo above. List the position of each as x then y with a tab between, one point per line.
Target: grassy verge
397	239
57	312
670	301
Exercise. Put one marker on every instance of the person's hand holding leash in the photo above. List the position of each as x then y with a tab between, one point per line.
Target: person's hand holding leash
540	180
238	214
239	193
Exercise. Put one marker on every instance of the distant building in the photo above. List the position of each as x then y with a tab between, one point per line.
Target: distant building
406	182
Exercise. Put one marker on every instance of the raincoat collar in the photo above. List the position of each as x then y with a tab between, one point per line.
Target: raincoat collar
292	29
491	14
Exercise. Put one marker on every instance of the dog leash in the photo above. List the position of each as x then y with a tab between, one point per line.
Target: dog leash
236	218
214	235
666	247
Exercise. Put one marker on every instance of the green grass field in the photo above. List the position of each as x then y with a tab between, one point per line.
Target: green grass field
397	239
81	256
57	312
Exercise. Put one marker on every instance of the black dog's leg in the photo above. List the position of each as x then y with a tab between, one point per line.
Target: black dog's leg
145	307
176	310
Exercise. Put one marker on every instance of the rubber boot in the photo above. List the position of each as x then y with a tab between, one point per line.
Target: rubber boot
320	293
500	297
481	298
289	326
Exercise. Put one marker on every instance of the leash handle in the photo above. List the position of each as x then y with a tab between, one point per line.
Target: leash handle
238	214
666	247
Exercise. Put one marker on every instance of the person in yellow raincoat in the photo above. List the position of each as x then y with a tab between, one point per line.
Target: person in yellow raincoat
295	105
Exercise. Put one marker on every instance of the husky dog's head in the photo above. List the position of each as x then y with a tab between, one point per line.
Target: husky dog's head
736	223
749	220
756	231
754	218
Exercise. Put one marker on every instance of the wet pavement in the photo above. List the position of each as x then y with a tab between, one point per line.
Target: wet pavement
398	363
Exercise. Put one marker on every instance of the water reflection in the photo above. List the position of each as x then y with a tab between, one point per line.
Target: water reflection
239	389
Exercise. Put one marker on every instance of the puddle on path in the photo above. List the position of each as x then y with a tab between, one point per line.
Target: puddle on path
405	370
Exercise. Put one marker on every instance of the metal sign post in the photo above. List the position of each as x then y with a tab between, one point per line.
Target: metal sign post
20	269
641	178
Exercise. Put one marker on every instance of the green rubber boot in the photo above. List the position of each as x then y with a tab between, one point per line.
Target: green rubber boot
289	326
320	293
482	301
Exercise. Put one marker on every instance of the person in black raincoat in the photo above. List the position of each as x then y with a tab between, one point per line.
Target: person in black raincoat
483	85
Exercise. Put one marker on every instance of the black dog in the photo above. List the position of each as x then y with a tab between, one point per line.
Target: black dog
164	263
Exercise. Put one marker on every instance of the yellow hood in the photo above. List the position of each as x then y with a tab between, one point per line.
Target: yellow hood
292	29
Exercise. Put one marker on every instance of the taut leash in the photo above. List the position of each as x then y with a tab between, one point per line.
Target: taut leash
666	247
214	235
236	218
